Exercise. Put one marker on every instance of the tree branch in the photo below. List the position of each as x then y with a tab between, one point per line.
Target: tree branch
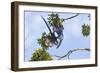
70	52
71	17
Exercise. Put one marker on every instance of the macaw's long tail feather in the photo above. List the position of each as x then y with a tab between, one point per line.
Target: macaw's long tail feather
47	25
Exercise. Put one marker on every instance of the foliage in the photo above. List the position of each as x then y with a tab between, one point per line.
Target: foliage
44	41
55	20
85	30
40	55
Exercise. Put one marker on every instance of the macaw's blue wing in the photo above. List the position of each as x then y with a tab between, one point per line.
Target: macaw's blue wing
60	38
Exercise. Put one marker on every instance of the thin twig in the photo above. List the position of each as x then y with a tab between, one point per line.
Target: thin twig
70	52
71	17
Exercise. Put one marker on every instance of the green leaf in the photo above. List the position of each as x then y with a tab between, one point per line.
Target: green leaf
85	30
40	55
54	20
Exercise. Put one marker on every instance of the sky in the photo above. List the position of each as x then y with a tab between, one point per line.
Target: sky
73	38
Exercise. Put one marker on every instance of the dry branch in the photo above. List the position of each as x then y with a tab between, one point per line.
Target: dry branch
70	52
71	17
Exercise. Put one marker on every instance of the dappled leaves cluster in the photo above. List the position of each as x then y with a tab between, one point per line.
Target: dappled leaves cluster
40	55
85	30
42	41
55	20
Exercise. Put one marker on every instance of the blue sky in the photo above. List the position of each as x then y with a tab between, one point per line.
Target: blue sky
73	38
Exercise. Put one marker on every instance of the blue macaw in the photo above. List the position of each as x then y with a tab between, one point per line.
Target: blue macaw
59	30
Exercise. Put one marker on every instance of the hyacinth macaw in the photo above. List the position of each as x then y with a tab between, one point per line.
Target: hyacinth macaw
56	39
